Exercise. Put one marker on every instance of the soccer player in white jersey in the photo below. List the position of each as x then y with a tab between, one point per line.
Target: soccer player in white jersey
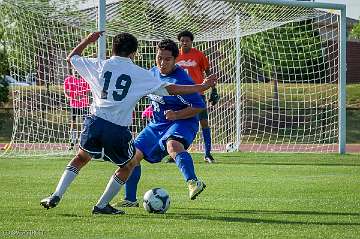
117	84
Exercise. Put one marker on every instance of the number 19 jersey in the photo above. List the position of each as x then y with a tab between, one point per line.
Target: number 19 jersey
117	84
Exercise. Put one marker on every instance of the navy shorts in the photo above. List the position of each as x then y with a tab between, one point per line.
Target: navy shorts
103	138
203	115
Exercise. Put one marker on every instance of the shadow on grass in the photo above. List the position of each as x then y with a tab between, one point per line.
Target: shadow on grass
230	216
73	215
233	218
275	212
236	160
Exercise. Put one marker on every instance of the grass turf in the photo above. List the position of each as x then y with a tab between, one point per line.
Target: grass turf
247	196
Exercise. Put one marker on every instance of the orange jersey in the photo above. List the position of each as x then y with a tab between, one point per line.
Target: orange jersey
194	63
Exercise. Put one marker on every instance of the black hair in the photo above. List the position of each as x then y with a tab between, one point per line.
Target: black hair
185	33
124	44
169	45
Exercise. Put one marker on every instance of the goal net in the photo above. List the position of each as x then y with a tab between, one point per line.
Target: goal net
277	65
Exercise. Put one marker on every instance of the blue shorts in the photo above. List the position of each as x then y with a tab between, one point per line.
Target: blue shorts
100	136
152	139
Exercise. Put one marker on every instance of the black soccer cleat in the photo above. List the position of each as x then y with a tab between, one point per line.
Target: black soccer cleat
209	159
108	209
50	202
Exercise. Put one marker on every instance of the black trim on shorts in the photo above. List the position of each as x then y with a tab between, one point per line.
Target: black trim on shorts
180	140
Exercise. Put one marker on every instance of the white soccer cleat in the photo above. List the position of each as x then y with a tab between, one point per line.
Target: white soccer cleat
50	202
195	188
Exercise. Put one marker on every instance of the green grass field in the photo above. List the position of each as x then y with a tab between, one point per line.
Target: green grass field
248	195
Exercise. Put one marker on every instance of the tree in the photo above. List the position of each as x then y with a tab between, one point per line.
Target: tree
286	52
355	32
4	68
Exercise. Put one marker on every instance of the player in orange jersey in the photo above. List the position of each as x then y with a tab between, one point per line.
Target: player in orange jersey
196	64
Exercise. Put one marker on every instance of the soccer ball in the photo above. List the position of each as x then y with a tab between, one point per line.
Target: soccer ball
230	147
156	200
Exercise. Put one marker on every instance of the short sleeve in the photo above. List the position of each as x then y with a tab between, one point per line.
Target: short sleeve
88	68
157	86
204	62
161	91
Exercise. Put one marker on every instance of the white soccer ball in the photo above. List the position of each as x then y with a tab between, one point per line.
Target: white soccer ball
156	200
230	147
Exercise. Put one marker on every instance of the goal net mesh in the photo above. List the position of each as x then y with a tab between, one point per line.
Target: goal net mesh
277	68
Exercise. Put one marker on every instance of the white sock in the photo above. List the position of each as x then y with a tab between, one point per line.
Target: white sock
112	188
66	179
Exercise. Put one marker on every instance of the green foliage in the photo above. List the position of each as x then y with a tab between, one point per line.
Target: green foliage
149	20
20	28
132	19
4	68
285	53
4	90
355	32
30	38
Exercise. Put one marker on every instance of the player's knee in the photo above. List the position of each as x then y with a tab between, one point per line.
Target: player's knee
132	164
80	160
174	147
125	171
129	166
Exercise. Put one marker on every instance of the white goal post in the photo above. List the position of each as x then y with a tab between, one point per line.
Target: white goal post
281	67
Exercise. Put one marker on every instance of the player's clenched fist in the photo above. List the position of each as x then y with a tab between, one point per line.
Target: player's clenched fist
94	36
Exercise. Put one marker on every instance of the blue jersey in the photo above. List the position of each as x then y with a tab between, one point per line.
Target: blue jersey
152	139
161	104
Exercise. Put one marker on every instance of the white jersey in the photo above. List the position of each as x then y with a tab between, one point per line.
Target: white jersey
117	84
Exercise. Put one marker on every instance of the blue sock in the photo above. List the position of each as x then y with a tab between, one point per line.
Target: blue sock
185	163
207	140
132	183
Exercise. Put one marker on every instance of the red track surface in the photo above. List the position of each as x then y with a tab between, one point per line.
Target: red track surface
350	148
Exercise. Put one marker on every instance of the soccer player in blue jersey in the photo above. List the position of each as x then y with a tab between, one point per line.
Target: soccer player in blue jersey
173	128
117	84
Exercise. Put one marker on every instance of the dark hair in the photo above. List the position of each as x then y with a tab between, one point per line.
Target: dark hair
124	44
185	33
169	45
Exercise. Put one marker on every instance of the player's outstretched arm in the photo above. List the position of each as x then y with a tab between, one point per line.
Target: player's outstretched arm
190	89
186	113
91	38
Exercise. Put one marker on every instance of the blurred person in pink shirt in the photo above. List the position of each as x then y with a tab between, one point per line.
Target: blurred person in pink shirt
77	92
